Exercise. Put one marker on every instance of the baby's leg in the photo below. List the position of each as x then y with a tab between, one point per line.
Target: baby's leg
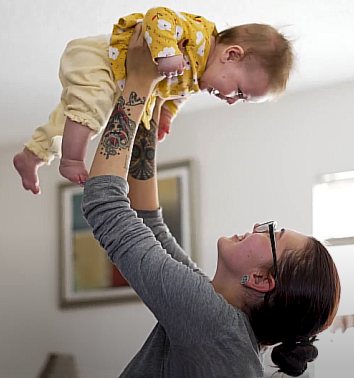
75	141
89	94
27	164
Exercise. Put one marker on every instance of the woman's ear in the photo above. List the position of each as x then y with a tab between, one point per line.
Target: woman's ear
232	53
260	282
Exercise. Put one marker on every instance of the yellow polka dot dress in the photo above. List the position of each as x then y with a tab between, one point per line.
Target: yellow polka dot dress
163	29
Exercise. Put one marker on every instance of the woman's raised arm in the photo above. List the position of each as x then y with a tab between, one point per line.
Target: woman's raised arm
142	178
114	150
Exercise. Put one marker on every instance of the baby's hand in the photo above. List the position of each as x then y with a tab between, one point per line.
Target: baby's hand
171	65
164	124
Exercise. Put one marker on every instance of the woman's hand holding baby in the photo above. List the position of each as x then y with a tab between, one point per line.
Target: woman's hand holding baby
139	63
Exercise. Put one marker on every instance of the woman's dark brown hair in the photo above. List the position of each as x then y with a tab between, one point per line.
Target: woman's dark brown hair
303	303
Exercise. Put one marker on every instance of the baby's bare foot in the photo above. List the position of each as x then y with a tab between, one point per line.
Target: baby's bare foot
73	170
27	164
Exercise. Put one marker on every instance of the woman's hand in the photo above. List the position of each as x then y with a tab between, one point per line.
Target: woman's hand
139	61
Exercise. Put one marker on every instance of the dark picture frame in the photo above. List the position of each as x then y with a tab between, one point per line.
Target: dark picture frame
86	276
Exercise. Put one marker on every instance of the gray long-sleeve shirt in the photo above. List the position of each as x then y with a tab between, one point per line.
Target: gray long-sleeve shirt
198	334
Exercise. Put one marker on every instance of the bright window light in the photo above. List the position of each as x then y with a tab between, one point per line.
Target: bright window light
333	222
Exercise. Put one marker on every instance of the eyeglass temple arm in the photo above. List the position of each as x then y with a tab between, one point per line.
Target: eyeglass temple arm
272	241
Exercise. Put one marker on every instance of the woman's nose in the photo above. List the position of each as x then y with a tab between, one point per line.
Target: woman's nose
255	226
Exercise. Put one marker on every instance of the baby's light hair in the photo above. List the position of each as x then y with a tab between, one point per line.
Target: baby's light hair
270	48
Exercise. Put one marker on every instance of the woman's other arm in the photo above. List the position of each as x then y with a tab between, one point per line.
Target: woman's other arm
180	299
143	189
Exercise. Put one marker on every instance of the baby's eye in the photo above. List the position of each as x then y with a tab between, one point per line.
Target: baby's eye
240	93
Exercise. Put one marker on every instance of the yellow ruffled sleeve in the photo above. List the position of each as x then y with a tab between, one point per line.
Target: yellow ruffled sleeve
128	22
163	29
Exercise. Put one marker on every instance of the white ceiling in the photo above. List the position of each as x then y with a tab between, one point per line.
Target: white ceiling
34	34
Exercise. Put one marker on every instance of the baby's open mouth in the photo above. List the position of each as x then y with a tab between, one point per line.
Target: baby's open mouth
217	93
213	91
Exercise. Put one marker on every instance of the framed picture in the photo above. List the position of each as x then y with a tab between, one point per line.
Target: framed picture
86	274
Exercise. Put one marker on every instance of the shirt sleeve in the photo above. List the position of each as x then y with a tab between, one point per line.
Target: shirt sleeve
154	220
184	302
162	31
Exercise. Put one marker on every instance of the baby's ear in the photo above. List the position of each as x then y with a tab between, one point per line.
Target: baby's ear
235	52
232	53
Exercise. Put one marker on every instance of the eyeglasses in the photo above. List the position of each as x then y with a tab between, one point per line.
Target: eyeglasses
240	96
250	99
270	227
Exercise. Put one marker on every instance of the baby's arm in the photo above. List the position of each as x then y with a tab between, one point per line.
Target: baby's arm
163	30
171	66
169	111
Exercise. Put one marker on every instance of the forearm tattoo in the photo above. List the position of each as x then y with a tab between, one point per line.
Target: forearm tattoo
135	100
120	128
142	163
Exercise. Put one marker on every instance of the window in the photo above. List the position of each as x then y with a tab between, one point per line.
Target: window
333	224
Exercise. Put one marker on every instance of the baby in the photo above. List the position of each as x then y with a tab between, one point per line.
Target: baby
246	62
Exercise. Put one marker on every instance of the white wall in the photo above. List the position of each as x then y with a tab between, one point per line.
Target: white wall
255	163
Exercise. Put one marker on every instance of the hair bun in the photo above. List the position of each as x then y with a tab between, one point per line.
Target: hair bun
292	358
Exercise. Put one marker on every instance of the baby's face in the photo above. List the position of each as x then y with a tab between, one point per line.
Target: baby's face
231	80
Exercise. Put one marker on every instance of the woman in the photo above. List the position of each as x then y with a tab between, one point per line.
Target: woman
269	288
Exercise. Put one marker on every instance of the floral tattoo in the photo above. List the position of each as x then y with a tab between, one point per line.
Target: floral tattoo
142	164
120	128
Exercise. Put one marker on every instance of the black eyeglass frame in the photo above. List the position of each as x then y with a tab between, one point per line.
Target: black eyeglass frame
271	229
274	251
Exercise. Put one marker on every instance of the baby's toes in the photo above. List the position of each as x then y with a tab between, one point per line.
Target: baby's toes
83	178
31	185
